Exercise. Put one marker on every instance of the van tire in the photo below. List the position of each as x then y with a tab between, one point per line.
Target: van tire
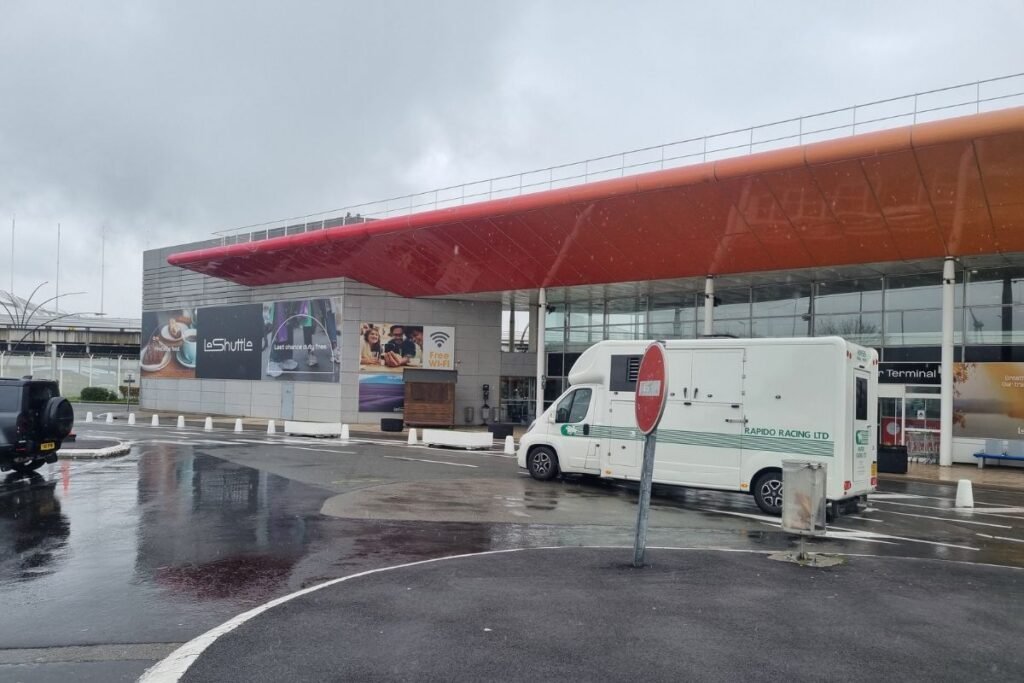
542	463
768	492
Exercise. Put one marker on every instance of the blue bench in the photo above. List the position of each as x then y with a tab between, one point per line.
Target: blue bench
982	457
996	449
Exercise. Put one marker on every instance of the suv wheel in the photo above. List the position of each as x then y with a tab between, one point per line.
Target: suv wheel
542	463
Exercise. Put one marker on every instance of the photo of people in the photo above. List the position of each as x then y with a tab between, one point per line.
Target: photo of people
390	348
301	341
169	344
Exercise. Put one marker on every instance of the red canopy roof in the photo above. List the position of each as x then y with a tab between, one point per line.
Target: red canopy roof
947	188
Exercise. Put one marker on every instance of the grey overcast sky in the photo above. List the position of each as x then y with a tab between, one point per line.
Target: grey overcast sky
160	122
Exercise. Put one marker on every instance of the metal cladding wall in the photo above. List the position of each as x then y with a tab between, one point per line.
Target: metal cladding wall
477	351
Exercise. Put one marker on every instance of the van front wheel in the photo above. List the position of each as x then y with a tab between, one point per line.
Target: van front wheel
768	492
542	463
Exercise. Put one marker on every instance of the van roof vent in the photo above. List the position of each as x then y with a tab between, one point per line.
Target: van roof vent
633	369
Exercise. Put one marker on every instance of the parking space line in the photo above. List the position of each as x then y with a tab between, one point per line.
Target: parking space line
320	450
992	512
435	462
1003	538
949	519
866	519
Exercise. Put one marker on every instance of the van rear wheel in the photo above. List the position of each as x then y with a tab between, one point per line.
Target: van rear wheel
768	492
542	463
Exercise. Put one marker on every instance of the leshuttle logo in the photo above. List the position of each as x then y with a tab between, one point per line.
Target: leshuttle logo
439	348
222	345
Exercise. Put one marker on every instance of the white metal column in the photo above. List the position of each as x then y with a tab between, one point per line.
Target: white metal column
709	306
542	356
946	423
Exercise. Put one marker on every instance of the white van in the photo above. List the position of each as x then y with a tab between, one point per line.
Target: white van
736	409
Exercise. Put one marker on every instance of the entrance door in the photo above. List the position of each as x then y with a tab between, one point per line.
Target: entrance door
923	417
890	415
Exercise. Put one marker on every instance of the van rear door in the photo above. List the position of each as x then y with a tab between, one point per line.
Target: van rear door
859	470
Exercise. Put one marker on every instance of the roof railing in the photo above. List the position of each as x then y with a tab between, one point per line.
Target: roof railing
929	105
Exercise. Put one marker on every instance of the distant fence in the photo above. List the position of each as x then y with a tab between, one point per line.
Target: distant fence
73	374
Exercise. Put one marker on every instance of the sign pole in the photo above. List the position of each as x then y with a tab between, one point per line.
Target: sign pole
651	392
644	505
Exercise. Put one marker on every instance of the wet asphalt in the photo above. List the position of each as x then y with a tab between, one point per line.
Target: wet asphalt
108	565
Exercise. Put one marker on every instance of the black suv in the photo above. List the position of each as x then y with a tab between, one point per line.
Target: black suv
34	421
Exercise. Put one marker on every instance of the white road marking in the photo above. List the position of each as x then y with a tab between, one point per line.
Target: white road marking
1003	538
866	519
320	450
435	462
994	512
893	496
947	519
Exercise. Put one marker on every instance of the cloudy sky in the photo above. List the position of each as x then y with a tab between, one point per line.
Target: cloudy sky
160	122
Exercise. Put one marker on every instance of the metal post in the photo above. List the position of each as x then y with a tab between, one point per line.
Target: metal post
709	305
542	306
117	383
644	505
60	371
53	361
946	403
90	369
512	323
32	363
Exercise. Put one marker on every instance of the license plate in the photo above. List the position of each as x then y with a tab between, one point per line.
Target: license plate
47	446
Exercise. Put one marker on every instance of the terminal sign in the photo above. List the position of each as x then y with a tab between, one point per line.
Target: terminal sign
651	388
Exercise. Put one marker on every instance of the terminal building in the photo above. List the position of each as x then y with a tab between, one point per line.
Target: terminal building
903	233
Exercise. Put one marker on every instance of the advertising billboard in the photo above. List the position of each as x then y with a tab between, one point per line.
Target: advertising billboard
275	341
988	400
169	344
387	349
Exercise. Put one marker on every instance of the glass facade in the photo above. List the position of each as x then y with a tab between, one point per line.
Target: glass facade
900	315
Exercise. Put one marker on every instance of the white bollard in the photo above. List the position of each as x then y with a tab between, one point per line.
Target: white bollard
271	428
181	422
208	425
344	432
238	424
110	418
155	421
412	436
131	418
88	416
964	494
510	446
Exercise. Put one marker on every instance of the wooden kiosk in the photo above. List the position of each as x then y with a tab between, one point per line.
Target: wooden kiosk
429	397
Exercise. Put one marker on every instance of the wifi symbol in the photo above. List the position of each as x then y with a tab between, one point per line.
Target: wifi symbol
439	338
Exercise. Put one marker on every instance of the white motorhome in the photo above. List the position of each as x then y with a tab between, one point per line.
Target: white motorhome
736	408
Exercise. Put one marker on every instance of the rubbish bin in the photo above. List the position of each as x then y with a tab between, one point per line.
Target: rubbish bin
892	459
803	497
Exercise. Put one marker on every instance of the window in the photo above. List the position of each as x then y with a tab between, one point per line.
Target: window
574	407
862	399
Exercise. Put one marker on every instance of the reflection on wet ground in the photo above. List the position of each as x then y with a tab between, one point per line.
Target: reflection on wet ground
33	530
171	540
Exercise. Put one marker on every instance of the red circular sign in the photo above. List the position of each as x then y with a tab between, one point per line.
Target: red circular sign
651	388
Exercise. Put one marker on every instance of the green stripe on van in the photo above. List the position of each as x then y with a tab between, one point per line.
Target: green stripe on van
680	437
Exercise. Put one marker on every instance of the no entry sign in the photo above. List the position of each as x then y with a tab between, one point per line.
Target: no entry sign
651	388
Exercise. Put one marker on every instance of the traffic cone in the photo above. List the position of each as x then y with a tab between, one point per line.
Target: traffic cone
964	494
110	418
88	416
181	422
155	421
131	418
238	424
208	425
344	432
271	428
412	436
510	446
